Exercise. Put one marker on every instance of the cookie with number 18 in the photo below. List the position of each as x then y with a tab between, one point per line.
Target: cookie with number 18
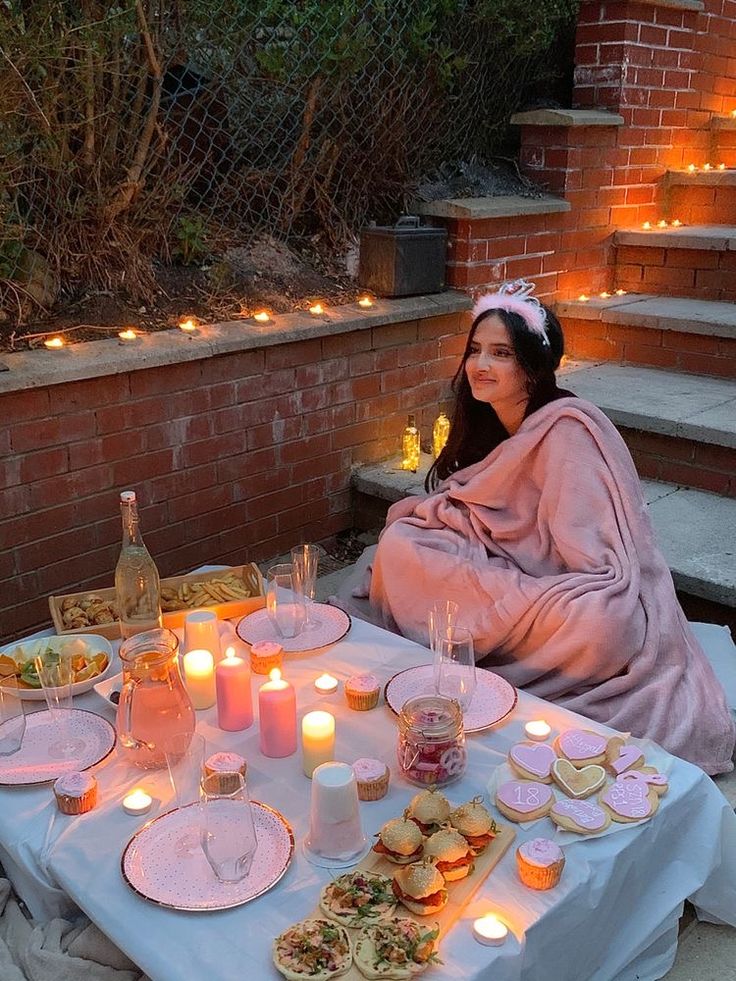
524	800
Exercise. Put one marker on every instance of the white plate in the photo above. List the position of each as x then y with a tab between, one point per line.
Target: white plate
105	688
32	647
330	625
162	865
493	700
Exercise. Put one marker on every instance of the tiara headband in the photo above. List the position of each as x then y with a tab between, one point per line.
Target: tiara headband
516	298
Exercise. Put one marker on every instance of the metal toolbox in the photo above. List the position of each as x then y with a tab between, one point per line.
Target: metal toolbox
402	260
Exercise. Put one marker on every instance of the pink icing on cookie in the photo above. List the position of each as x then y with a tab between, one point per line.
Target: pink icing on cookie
629	797
524	796
628	756
582	812
266	648
578	744
655	779
225	762
541	851
74	784
536	758
368	769
362	682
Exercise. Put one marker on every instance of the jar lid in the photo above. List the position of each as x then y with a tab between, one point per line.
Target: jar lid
432	715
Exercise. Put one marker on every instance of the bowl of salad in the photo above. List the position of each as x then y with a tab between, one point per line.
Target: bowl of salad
91	659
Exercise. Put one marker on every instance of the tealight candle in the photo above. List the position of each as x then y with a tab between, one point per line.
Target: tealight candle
721	166
277	717
646	225
661	223
318	740
707	167
620	292
138	802
691	168
54	343
316	309
489	930
262	316
365	301
325	684
199	674
676	223
128	335
234	702
188	325
604	295
538	730
583	298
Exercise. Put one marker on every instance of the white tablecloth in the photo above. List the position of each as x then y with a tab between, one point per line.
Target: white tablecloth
613	916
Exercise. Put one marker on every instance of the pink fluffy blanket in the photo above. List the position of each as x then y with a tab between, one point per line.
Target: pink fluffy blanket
547	546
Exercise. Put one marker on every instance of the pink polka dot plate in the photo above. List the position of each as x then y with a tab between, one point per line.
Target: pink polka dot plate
92	736
330	624
493	700
157	867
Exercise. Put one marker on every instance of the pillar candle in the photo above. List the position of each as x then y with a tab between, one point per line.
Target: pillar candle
277	717
199	672
318	740
234	702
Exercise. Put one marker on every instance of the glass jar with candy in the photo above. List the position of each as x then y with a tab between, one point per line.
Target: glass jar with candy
431	741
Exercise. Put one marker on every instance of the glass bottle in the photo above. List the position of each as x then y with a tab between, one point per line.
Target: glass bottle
440	432
410	447
431	741
137	585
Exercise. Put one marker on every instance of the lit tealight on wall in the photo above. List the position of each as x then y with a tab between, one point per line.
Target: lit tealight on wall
365	301
317	309
127	336
188	326
263	316
54	343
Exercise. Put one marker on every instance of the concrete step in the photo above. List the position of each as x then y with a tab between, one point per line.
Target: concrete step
695	530
696	261
700	198
713	177
694	336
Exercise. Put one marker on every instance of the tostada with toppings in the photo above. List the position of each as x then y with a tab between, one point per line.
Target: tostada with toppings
357	898
398	948
314	949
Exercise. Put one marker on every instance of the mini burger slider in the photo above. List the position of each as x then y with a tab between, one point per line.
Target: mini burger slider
421	888
429	810
400	841
475	824
450	853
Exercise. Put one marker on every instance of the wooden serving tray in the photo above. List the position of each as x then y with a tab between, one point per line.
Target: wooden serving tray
459	892
175	618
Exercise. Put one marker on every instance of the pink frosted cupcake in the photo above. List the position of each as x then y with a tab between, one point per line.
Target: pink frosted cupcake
372	777
76	793
224	764
540	863
265	656
362	691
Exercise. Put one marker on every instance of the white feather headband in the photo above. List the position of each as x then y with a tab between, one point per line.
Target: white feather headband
516	298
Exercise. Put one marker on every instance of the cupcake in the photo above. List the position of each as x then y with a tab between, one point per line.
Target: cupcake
225	764
540	863
361	691
372	778
76	793
265	656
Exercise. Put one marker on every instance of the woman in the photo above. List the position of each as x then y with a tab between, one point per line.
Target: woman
538	528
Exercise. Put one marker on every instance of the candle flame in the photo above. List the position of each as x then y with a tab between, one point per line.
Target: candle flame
721	166
676	223
583	298
127	335
54	343
707	166
365	301
274	674
230	652
316	309
188	325
661	223
262	316
604	295
691	168
733	113
620	292
646	225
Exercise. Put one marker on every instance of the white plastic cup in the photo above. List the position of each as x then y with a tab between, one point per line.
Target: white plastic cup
335	830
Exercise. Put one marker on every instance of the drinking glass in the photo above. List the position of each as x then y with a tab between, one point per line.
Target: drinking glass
305	559
227	831
12	718
285	599
441	617
455	666
185	763
56	674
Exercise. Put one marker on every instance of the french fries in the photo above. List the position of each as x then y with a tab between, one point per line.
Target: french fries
220	589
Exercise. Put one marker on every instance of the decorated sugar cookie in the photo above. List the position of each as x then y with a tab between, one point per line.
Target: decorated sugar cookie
532	761
524	800
656	780
622	756
581	746
576	782
634	796
581	816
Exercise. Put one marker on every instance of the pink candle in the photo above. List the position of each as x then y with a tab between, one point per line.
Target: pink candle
277	716
234	702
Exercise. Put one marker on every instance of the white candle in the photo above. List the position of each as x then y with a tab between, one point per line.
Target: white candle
318	740
490	931
199	673
128	336
325	684
538	730
138	802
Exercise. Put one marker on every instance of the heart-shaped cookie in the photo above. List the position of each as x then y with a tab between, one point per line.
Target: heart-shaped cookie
533	759
630	798
582	745
576	782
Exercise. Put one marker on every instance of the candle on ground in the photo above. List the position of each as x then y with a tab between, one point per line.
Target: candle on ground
199	674
316	309
318	740
138	802
262	317
54	343
365	301
489	930
234	701
277	717
325	684
188	326
538	730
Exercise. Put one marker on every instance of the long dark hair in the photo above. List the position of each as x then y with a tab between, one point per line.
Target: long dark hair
476	430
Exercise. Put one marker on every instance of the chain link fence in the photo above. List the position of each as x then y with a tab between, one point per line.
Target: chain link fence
165	131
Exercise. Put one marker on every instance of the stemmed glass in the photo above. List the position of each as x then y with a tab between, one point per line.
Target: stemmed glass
285	599
442	615
305	559
227	830
56	674
12	718
454	662
185	763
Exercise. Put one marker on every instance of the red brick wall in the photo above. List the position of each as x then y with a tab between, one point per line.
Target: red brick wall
234	458
698	273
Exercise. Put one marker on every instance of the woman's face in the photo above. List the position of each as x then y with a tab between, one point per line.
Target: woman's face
494	374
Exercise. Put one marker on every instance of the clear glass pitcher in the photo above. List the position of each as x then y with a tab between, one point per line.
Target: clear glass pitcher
155	707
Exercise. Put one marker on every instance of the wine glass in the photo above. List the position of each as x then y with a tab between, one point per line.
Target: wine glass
285	599
305	559
454	662
442	615
227	830
185	762
56	673
12	718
